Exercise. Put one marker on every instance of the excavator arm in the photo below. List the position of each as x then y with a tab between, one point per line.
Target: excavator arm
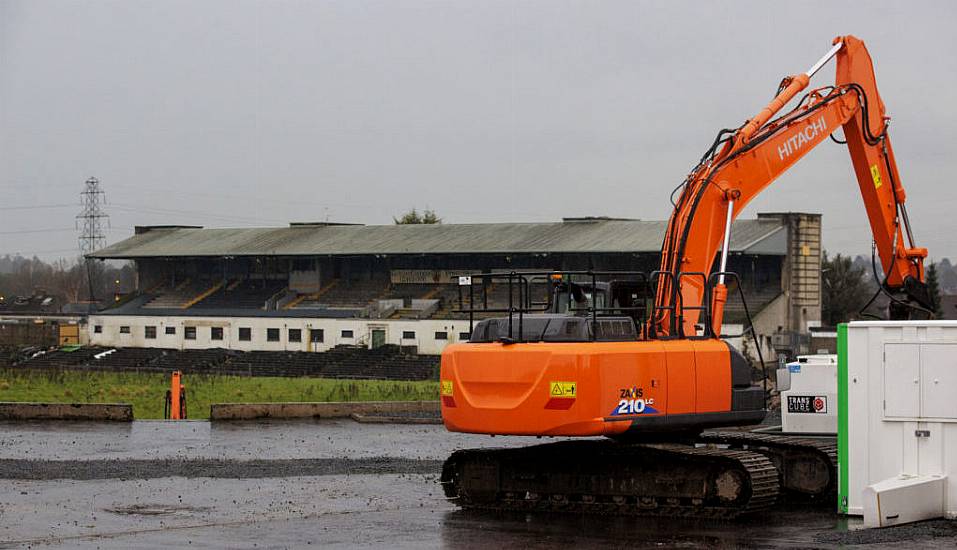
743	162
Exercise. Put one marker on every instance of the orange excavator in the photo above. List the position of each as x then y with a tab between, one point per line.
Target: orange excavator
652	375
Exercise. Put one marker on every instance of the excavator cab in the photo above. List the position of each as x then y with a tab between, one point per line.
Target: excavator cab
561	307
616	297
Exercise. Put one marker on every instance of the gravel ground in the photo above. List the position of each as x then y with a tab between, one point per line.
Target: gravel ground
261	439
337	484
211	468
940	533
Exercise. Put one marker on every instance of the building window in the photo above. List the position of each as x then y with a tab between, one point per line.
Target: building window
272	334
441	335
215	333
347	334
295	335
316	335
170	330
245	334
189	333
97	329
408	335
124	330
465	335
149	333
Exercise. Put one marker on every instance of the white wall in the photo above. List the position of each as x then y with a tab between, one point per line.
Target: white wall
425	337
425	332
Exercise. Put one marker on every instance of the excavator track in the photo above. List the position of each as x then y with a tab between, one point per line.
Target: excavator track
806	465
607	477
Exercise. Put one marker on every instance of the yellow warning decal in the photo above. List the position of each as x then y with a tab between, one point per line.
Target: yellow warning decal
562	389
447	387
876	176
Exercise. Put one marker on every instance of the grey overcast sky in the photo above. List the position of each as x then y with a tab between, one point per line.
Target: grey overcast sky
257	113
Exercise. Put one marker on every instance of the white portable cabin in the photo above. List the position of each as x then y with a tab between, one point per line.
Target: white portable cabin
897	433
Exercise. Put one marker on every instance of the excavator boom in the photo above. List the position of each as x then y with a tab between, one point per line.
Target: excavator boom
756	154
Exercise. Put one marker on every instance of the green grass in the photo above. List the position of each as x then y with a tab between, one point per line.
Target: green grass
146	391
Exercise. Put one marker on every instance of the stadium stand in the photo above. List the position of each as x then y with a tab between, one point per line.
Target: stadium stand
362	284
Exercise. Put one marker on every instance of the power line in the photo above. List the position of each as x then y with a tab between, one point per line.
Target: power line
37	207
55	230
35	252
26	231
167	212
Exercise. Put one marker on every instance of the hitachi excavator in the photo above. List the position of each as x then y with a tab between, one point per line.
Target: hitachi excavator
652	376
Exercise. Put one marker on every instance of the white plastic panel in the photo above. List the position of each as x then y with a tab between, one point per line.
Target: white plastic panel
902	380
938	364
903	499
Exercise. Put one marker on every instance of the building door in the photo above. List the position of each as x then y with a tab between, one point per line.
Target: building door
378	337
69	335
316	337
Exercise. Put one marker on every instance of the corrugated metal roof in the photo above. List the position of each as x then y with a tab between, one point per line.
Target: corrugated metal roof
486	238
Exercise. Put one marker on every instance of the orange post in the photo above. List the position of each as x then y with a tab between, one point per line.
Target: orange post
177	397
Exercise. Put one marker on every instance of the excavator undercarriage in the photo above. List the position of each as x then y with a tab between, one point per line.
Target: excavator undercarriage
606	477
718	475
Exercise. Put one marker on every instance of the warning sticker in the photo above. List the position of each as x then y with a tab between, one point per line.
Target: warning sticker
876	176
447	387
562	389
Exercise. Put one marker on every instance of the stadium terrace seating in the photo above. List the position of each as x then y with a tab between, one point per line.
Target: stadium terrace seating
180	295
497	298
386	362
389	362
60	359
757	300
248	294
346	294
413	291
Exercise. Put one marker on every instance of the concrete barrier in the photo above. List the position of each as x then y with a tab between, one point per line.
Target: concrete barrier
249	411
116	412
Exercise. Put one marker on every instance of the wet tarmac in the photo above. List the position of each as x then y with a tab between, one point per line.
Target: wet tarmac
284	484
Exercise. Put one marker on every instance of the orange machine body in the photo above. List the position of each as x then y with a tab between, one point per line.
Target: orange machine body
585	389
